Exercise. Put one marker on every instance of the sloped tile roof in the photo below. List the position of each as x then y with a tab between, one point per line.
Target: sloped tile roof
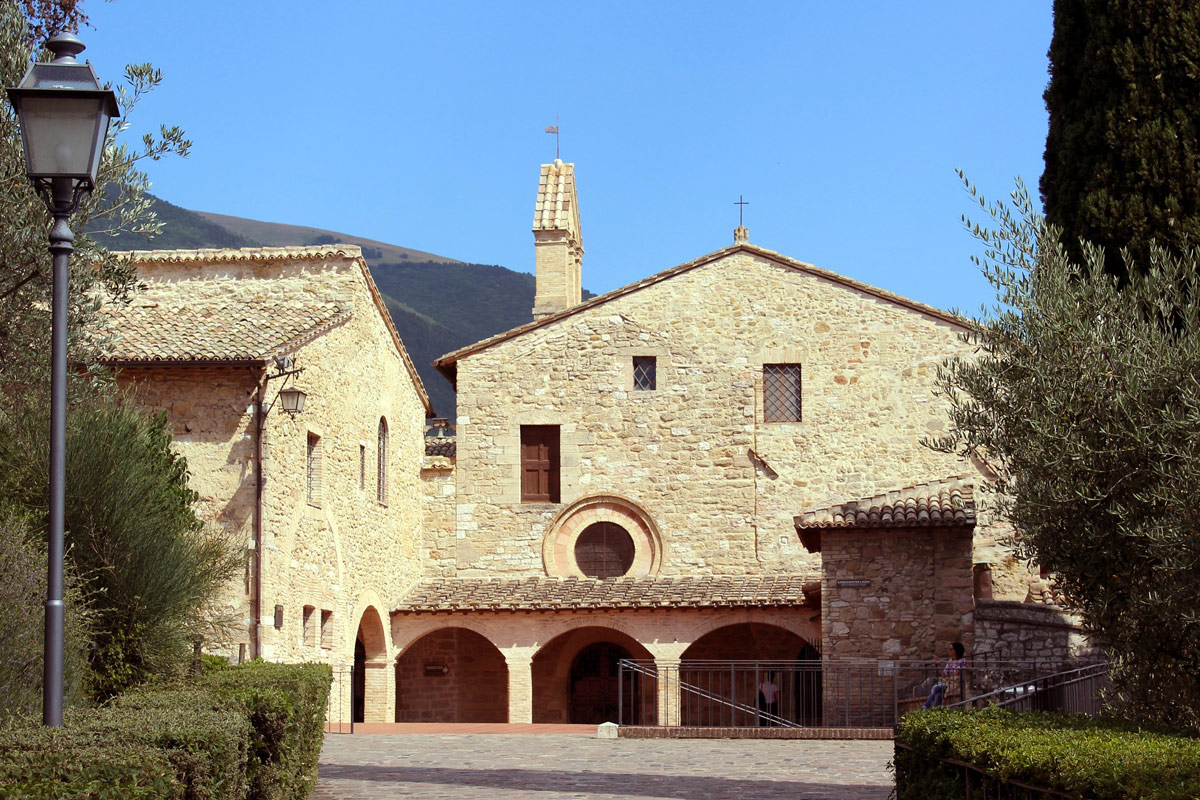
146	331
557	206
446	364
567	594
928	505
441	446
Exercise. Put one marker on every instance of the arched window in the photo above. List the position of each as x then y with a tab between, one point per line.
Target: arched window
381	492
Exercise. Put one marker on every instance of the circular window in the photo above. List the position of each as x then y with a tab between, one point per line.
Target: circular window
604	550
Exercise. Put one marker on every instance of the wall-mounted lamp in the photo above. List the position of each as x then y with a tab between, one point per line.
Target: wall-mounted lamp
292	400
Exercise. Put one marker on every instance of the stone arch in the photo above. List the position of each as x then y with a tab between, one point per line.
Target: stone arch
767	653
558	556
575	679
799	624
369	679
451	674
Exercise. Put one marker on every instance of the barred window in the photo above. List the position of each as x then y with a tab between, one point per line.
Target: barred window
781	392
604	550
644	369
313	469
381	464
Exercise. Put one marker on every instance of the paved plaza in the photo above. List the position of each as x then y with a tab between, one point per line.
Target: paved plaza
435	766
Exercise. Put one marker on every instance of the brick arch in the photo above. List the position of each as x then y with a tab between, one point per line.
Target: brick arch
553	663
406	631
369	679
796	622
451	674
558	546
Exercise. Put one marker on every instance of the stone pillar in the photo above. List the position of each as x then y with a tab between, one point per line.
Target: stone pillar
520	686
379	690
669	706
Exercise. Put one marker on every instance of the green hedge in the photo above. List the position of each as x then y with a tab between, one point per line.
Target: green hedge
1103	759
252	731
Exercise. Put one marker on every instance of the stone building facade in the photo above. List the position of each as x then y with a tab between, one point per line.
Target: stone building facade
723	461
327	503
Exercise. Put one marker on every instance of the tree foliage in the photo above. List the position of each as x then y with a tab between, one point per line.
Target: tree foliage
1083	395
1123	149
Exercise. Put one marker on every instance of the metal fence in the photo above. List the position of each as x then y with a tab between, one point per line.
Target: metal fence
816	693
340	712
1077	691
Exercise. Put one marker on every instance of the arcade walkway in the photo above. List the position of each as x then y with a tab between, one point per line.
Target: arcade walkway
442	766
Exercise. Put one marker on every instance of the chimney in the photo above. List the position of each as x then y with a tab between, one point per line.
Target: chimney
558	244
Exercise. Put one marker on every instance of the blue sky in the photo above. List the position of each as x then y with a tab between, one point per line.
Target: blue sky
422	124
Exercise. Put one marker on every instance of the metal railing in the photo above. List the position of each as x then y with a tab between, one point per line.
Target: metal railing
339	712
815	693
1075	691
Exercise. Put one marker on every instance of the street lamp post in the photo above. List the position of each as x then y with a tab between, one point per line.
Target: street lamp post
63	113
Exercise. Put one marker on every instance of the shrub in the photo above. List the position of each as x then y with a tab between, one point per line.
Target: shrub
243	732
1085	757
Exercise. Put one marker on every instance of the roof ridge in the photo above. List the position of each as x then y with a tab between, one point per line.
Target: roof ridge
448	360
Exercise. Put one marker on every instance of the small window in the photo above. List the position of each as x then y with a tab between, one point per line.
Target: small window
313	469
781	392
644	369
310	627
381	462
539	464
362	467
326	629
604	550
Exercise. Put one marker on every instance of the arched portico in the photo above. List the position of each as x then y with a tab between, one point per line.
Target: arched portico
728	674
370	680
451	675
575	679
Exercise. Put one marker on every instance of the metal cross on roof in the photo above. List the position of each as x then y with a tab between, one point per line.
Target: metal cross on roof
741	207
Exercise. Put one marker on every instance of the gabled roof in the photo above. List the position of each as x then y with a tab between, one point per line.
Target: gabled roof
573	594
146	331
447	362
154	334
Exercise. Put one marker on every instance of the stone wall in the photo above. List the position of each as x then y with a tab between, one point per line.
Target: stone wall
895	593
721	485
1011	631
439	499
343	553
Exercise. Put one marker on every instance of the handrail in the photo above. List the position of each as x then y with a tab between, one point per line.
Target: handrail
696	691
1025	690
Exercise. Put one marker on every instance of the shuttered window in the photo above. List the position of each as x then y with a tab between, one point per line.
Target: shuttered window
539	464
781	392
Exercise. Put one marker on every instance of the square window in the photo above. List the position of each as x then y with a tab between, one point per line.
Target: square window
644	369
781	392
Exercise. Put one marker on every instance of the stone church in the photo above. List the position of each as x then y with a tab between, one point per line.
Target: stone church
720	461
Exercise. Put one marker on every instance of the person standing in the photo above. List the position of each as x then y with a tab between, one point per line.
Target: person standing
768	699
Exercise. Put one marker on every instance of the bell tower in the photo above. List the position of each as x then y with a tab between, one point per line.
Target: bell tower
557	241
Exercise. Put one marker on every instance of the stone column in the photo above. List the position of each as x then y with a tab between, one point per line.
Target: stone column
520	685
669	706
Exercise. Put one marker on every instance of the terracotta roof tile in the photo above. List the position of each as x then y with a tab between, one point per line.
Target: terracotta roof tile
928	505
557	208
146	331
556	594
441	446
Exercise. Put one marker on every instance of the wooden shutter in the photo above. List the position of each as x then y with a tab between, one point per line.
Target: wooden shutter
539	464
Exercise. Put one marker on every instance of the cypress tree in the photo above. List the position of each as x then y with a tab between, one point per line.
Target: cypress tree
1123	150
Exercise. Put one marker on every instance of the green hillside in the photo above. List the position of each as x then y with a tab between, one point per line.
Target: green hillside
437	304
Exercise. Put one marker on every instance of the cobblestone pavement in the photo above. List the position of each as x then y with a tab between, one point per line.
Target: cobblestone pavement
557	767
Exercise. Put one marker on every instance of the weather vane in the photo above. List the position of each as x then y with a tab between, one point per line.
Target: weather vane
741	204
554	129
